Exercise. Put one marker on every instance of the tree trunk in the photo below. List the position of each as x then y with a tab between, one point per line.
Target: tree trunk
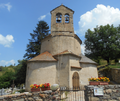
108	61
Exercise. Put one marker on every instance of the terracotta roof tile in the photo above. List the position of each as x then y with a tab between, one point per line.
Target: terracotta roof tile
66	52
76	67
45	56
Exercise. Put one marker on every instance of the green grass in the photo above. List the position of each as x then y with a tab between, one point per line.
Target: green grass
115	66
104	63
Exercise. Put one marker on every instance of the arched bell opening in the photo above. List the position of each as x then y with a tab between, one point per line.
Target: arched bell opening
67	18
75	81
58	18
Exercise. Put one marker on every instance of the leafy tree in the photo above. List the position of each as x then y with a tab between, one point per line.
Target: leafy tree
103	42
13	73
6	79
1	68
21	72
34	46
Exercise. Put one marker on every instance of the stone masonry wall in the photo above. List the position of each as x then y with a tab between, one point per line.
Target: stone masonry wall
115	73
111	93
35	96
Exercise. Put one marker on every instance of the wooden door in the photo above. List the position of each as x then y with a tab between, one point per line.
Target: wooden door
75	81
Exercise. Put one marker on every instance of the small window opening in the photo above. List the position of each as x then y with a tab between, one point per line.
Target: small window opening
58	18
66	18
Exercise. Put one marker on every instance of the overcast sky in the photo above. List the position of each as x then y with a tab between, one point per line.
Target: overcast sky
18	18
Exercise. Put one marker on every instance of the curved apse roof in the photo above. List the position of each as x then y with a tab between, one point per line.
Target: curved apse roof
85	59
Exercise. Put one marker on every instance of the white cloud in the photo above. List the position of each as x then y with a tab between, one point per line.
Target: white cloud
6	5
83	49
6	41
3	62
101	15
42	17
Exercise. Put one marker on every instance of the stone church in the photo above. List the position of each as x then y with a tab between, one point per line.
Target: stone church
61	61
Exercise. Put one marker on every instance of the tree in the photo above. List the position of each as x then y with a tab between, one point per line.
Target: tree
6	79
103	42
21	72
34	46
1	68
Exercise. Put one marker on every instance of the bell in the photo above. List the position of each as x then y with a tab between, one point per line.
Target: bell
67	19
58	19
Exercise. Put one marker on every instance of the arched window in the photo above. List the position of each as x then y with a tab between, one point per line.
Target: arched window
58	18
67	18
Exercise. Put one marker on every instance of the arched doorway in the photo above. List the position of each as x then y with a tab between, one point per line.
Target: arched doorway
75	81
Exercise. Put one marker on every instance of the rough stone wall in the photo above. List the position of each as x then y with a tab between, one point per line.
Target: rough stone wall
40	72
115	73
58	44
63	70
111	93
62	26
74	61
35	96
87	71
62	34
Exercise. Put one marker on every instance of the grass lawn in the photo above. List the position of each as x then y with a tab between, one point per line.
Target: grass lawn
115	65
104	63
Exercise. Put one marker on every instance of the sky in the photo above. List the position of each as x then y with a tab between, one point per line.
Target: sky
18	18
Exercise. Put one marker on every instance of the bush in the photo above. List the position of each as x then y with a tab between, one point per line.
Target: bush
21	90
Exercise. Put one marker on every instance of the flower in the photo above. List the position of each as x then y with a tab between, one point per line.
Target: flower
104	79
34	86
93	79
46	85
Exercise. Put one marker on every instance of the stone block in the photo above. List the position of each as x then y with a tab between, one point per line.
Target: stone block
118	98
106	96
30	99
114	91
108	91
117	95
42	95
39	100
118	86
93	99
18	100
1	97
111	86
29	94
48	91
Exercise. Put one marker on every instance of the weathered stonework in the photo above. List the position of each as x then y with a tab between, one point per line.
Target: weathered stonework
115	73
60	43
111	93
62	27
35	96
60	56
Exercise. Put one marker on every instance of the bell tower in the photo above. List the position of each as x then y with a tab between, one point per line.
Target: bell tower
62	21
